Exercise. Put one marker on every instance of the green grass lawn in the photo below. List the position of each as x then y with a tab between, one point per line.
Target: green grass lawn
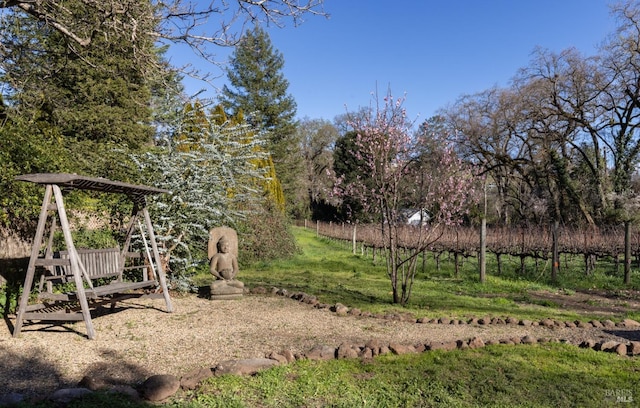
543	375
328	269
496	376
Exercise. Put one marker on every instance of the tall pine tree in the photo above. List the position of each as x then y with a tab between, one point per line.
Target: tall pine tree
258	89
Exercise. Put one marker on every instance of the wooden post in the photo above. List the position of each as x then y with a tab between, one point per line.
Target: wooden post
353	239
156	255
75	266
127	240
483	250
31	268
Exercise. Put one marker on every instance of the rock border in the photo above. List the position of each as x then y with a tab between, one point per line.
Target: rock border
160	387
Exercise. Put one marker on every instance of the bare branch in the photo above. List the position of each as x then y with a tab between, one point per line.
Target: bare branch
197	24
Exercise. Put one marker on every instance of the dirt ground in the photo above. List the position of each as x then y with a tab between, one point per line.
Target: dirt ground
593	302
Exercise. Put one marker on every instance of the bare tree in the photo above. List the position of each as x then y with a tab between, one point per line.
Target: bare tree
198	25
485	132
317	138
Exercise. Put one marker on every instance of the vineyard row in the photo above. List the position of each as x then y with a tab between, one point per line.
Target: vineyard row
531	242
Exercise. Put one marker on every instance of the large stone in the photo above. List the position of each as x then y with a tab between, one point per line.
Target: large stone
366	353
630	323
634	348
476	342
461	344
399	349
346	350
608	324
443	345
512	320
278	357
340	309
127	390
259	290
288	354
621	349
607	345
321	353
191	380
12	398
547	323
374	345
65	395
160	387
354	312
244	367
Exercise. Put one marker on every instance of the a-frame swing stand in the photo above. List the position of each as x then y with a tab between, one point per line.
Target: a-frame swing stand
82	267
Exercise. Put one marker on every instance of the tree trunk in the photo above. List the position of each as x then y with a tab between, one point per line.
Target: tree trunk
555	256
457	266
627	252
353	239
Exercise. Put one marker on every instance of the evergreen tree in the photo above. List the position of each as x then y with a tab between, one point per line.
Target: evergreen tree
348	164
97	98
96	93
259	90
74	109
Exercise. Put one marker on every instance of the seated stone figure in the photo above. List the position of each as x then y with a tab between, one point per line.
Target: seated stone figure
223	265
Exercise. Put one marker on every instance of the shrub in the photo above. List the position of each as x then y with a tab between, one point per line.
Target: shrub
265	236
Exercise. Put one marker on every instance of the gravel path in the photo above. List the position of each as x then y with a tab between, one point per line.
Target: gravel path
140	339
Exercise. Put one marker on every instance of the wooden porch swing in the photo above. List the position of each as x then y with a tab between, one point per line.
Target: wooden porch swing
87	270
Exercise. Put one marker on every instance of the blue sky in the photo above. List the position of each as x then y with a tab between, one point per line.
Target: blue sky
432	51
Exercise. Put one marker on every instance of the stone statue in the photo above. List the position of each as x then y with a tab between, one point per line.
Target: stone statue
223	265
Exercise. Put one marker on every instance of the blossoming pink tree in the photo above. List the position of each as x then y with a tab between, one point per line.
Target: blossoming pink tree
402	170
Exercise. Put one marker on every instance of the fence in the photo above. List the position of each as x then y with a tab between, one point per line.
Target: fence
529	242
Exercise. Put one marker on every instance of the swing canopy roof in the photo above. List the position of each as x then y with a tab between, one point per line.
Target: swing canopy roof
137	192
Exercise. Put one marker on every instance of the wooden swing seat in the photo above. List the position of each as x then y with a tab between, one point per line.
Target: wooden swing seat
100	265
97	275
